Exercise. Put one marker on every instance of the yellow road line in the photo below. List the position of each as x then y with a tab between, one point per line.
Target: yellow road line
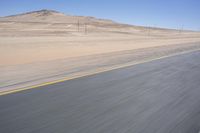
100	70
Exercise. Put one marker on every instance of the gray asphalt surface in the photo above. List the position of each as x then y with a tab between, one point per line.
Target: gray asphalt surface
162	96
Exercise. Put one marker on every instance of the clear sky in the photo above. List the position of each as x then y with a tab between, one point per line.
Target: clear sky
160	13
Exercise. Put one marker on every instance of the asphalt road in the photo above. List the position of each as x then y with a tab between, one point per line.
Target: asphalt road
161	96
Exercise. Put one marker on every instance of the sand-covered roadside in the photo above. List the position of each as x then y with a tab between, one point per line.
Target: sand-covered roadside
24	75
23	50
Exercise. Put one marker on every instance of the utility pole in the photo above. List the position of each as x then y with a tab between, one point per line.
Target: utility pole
181	29
78	25
149	28
86	28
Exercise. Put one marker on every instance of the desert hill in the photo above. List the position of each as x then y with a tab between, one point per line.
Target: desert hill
51	16
50	22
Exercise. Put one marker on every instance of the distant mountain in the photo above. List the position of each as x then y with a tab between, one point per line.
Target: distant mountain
52	16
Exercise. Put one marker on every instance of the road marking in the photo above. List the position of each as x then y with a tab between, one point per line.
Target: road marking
100	70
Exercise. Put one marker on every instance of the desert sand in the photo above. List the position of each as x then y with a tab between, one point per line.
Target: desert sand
46	45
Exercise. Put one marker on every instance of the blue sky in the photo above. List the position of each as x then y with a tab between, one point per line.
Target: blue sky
160	13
